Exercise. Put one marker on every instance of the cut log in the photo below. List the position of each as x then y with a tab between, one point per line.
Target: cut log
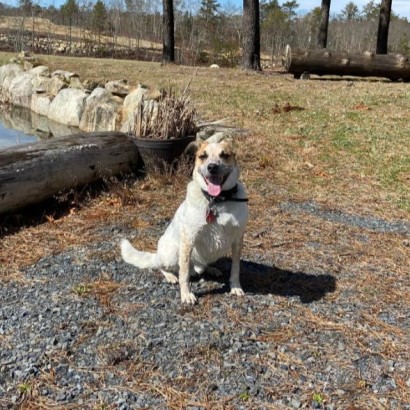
323	62
31	173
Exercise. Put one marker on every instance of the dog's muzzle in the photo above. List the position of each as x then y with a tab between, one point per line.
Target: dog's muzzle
215	176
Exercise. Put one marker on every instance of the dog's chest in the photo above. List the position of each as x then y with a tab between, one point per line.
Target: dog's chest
215	238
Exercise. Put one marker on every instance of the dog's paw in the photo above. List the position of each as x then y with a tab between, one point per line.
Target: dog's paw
188	298
238	291
169	277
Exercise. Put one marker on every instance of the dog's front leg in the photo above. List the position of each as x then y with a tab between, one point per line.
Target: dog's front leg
185	252
236	288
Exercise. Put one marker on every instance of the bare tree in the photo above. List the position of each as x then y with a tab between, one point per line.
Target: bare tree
168	40
251	59
324	23
383	30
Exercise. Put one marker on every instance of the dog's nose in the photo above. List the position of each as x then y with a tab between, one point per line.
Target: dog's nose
213	168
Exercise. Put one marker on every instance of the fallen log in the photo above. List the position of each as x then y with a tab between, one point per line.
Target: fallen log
324	62
31	173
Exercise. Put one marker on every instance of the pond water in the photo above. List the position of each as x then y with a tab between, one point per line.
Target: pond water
21	125
9	137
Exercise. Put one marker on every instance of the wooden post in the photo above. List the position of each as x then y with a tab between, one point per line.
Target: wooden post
324	62
31	173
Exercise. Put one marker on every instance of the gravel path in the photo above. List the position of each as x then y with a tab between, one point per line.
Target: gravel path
84	330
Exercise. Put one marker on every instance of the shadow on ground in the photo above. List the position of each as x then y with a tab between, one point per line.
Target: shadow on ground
263	279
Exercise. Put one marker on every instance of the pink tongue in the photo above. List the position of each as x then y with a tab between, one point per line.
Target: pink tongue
214	190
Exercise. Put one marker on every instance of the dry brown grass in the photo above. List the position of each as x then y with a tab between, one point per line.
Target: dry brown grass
333	152
173	115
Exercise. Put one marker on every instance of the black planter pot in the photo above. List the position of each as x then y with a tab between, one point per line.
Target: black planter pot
160	154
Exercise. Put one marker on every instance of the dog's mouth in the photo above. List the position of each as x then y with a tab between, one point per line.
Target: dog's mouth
214	183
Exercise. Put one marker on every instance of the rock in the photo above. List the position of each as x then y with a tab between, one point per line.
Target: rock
68	106
295	403
118	87
76	83
7	73
41	84
102	111
56	85
131	102
40	103
24	54
89	85
218	137
214	66
28	65
64	75
21	90
40	70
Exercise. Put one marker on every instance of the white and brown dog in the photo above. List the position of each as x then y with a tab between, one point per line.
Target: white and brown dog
207	225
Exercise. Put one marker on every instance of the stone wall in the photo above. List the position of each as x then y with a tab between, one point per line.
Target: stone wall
85	47
63	97
46	45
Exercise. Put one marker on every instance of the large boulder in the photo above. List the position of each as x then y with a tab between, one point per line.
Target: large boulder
68	106
56	85
40	103
131	103
64	75
21	90
40	70
48	85
102	111
7	73
118	87
41	84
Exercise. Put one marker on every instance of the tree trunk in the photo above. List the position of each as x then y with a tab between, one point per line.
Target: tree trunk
321	62
383	30
251	36
324	23
168	43
31	173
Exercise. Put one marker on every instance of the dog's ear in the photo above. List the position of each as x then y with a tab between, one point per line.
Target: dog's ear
193	148
229	145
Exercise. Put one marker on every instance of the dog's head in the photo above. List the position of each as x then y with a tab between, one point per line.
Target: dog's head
215	167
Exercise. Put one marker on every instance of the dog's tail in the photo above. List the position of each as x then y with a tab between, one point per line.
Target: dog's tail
142	260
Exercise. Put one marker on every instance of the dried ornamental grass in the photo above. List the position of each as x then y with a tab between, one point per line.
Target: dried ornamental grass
170	117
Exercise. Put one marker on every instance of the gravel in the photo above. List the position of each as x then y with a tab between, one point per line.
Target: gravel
84	329
334	215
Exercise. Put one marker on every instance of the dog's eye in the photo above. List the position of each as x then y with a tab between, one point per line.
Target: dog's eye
203	156
224	155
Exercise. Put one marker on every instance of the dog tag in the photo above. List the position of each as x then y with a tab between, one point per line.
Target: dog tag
210	216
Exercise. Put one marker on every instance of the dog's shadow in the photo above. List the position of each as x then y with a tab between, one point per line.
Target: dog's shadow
262	279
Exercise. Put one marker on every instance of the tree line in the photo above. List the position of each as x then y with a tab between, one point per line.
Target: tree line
212	34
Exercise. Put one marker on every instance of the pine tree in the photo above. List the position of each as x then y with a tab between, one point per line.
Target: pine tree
209	10
69	9
99	18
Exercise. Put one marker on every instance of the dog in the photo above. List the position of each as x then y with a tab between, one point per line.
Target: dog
209	223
